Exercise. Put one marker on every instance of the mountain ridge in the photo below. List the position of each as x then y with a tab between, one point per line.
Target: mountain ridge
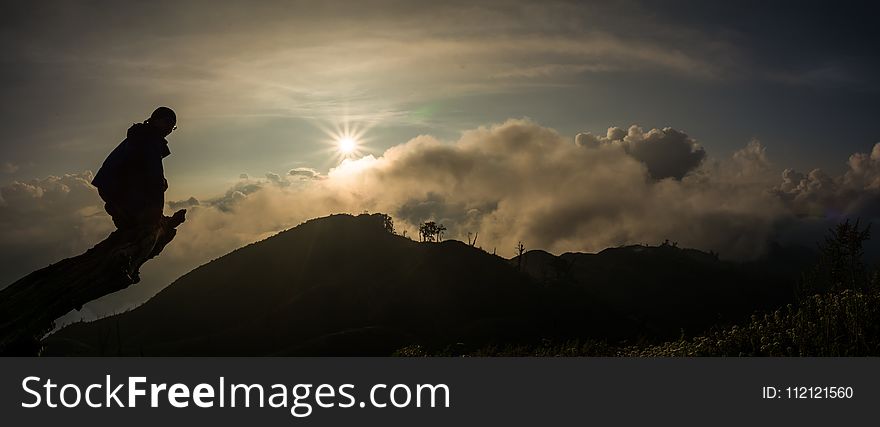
344	285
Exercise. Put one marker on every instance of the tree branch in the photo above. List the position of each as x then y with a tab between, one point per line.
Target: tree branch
29	307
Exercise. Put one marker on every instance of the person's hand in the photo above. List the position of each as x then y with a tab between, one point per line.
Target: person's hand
178	218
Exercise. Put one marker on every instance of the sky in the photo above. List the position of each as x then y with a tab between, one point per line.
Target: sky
720	124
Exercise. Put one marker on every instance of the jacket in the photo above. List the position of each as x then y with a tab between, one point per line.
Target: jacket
133	172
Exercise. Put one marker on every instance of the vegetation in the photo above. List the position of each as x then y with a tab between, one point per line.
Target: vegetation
844	323
346	285
431	232
841	319
520	250
387	223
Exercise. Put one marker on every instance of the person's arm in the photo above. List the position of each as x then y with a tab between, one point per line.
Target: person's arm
153	183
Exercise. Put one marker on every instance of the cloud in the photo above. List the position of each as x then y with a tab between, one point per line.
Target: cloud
238	192
856	193
864	169
292	176
44	220
752	161
668	153
277	179
383	54
521	181
8	167
510	182
183	204
305	173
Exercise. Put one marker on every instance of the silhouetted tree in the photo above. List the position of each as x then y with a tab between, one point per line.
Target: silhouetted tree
841	264
388	223
520	249
842	254
667	243
426	232
430	231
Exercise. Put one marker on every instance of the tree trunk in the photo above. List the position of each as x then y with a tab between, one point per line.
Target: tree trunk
29	307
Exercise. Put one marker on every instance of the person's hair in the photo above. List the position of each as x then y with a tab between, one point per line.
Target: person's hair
164	113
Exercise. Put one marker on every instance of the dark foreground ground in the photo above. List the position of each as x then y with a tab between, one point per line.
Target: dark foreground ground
345	285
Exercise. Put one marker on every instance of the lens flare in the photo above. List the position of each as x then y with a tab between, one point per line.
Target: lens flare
346	139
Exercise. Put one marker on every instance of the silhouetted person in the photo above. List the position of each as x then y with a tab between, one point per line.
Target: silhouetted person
132	181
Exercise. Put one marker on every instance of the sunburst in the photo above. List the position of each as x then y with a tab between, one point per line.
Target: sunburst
347	140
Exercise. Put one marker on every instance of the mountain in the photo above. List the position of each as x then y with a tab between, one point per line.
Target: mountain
334	285
343	285
658	291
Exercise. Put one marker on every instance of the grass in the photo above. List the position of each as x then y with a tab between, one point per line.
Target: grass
842	323
838	314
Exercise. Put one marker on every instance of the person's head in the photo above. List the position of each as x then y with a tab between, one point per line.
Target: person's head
164	119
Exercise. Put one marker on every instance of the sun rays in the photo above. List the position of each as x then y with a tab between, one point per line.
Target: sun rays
346	140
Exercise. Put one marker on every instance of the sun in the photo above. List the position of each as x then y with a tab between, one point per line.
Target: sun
346	140
346	145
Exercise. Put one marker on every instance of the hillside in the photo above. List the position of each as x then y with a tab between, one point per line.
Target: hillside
342	285
655	292
334	285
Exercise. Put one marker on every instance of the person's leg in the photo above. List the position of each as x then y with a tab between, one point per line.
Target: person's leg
115	206
167	231
146	232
